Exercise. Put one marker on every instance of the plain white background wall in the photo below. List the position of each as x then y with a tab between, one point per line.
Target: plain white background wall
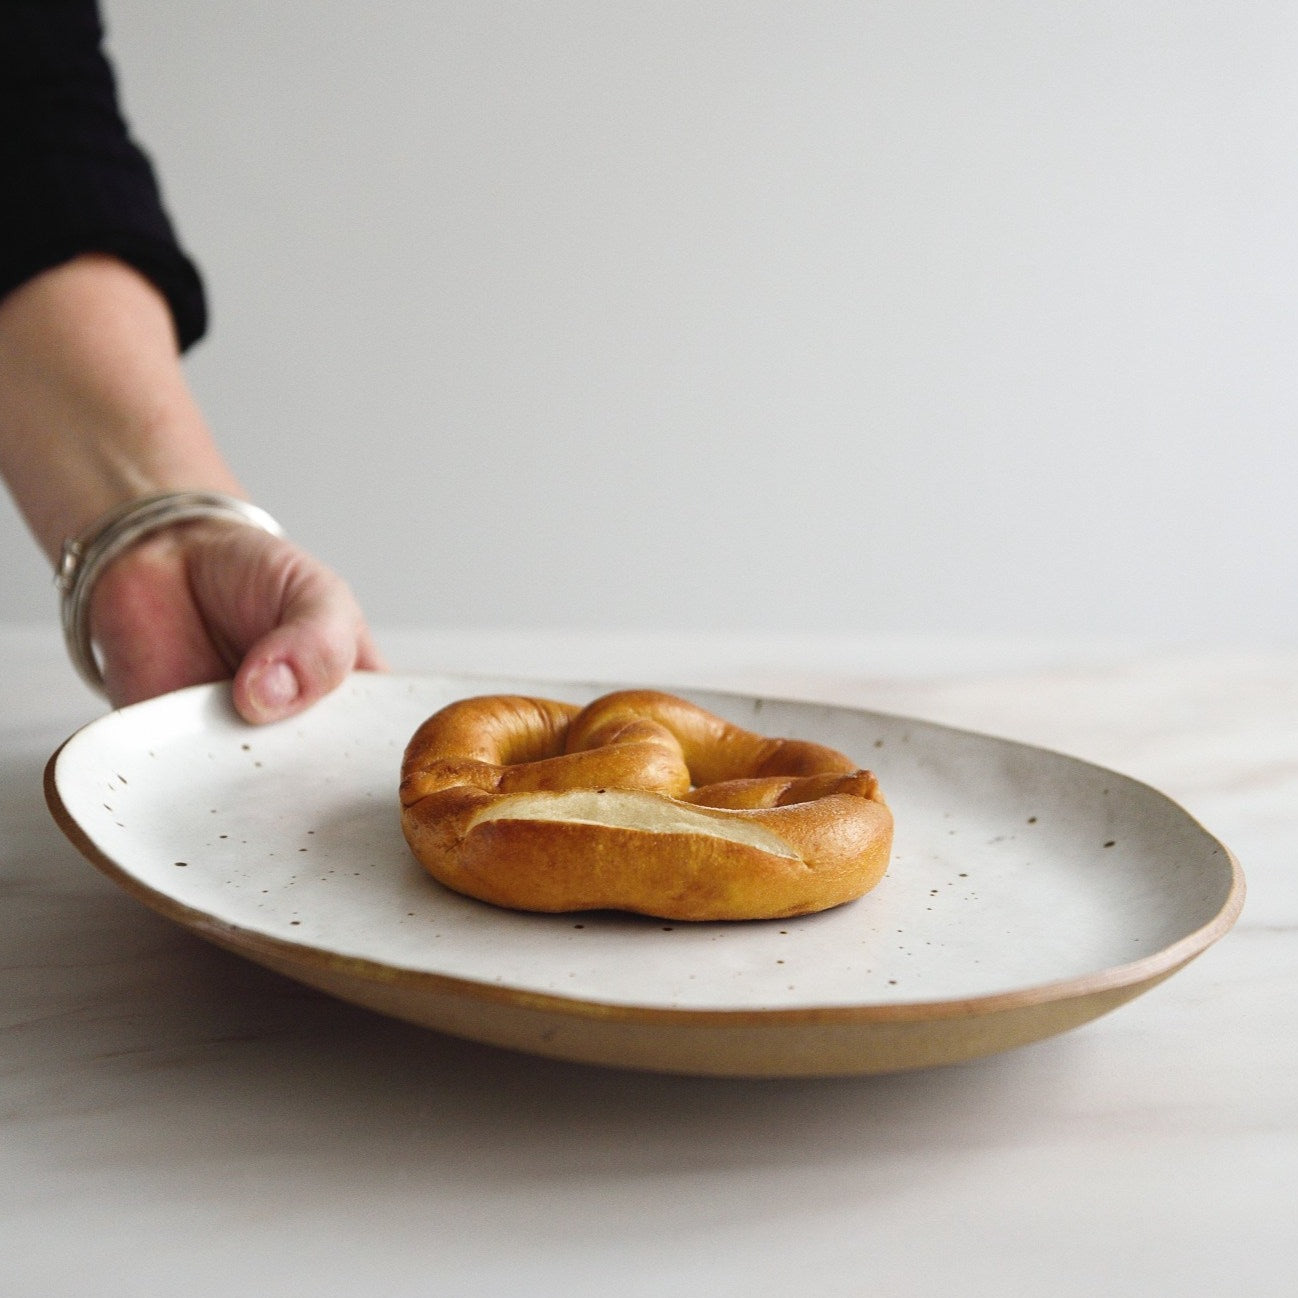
799	317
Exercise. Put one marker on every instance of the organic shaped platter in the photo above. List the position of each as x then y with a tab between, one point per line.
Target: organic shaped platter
1029	892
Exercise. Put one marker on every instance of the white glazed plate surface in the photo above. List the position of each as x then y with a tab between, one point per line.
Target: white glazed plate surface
1020	879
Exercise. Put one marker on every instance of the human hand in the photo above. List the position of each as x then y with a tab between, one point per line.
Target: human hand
95	412
207	600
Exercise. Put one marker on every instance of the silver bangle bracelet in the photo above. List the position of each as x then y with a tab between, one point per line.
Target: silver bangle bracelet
84	557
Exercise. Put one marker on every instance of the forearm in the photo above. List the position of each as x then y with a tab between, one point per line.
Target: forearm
94	406
97	297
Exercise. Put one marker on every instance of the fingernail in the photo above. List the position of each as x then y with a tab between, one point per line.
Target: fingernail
275	687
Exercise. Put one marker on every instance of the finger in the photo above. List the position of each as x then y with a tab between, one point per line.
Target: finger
369	658
319	640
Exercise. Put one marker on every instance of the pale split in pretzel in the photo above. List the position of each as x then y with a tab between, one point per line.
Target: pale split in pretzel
641	802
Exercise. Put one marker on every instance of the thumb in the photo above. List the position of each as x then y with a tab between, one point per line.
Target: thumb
319	640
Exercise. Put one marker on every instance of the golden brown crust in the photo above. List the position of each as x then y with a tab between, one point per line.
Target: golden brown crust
642	802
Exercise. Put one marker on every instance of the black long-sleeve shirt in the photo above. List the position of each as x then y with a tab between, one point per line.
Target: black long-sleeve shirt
71	178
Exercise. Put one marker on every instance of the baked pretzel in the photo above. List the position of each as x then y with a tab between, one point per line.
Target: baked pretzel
640	802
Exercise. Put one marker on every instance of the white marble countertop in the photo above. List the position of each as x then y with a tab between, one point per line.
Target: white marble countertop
176	1120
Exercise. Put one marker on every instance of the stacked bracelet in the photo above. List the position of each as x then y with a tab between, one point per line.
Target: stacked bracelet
86	556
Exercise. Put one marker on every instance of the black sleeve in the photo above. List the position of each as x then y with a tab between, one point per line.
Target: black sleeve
71	178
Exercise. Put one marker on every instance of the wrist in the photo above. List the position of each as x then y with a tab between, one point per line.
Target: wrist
85	557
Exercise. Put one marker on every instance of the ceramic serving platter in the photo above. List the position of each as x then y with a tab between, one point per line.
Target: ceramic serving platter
1028	893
